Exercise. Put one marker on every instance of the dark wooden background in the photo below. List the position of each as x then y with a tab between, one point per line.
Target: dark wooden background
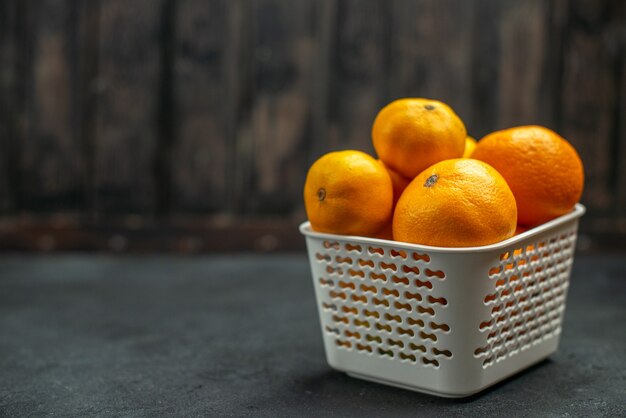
189	125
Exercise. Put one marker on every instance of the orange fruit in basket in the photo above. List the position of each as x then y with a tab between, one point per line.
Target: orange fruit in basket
385	233
398	182
348	192
409	135
456	203
543	170
520	229
470	146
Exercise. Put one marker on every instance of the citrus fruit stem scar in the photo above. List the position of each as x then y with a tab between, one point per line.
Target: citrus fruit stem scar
430	181
429	107
321	194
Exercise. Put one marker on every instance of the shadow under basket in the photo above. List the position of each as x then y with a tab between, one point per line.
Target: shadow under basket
445	321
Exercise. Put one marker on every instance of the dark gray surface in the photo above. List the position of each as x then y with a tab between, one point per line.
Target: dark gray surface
238	335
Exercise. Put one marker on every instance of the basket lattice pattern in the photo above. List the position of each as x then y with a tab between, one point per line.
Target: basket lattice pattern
527	305
382	308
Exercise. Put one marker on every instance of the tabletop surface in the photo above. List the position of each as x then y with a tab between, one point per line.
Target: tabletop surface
237	335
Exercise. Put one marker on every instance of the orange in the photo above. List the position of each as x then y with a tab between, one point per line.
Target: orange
385	233
470	146
410	135
398	182
456	203
543	170
348	192
520	229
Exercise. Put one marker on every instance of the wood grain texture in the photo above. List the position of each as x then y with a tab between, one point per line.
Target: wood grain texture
431	53
617	31
128	105
485	70
523	33
550	90
51	160
8	119
200	153
25	88
162	161
276	72
180	108
359	69
620	155
86	96
325	13
589	98
20	114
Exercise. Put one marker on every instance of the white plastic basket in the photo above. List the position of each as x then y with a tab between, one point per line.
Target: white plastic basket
445	321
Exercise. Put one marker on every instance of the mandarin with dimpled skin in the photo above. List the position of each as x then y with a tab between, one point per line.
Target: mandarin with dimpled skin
349	193
411	134
470	146
456	203
543	170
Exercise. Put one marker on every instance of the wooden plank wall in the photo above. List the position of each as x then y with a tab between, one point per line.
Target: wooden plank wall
188	120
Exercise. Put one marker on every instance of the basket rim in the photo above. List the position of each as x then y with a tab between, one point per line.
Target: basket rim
578	211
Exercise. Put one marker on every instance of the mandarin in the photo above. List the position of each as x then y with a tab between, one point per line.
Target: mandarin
398	181
385	233
348	192
470	146
520	229
409	135
456	203
543	170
